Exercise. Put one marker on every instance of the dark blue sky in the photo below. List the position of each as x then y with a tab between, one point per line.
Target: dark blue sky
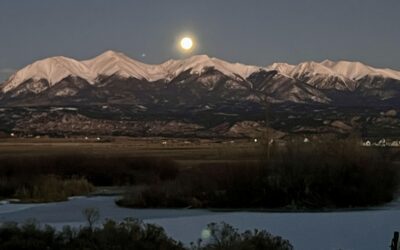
248	31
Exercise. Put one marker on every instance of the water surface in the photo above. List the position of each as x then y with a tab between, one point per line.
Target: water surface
365	230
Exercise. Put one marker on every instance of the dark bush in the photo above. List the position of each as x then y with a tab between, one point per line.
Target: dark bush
25	177
338	174
99	170
130	234
224	237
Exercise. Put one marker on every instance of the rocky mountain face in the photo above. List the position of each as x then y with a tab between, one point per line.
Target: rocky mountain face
197	96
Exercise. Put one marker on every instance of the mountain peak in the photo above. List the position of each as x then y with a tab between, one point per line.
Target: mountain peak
202	57
111	54
52	69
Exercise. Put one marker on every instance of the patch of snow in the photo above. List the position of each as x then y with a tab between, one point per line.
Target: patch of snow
234	85
66	92
36	87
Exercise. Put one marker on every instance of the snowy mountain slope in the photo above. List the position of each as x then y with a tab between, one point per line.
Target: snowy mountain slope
357	70
53	70
280	88
197	64
341	75
342	69
114	63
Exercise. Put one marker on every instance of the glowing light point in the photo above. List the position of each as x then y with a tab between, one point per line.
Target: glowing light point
186	43
205	234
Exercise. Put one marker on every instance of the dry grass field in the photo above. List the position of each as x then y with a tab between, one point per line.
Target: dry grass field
180	150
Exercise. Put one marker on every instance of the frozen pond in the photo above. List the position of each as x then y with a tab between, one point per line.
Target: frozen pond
369	229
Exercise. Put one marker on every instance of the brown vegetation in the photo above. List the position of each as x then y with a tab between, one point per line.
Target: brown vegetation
338	174
48	188
335	174
56	177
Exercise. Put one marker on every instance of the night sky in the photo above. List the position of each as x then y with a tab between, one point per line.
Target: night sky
248	31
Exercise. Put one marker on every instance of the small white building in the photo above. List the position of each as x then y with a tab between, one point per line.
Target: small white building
382	142
367	144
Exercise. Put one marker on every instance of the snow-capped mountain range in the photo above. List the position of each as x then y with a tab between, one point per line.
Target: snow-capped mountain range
342	69
55	69
328	74
113	77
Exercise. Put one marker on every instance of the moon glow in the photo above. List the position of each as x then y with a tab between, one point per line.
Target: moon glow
186	43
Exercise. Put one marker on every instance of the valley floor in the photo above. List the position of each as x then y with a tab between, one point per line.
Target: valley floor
181	150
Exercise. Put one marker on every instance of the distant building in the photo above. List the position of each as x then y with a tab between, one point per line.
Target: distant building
367	144
382	142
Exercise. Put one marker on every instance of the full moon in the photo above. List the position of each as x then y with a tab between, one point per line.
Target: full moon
186	43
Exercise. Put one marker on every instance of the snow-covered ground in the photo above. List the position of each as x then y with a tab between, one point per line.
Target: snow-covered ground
367	229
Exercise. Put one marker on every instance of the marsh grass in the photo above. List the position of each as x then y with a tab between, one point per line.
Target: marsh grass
56	177
318	175
50	188
338	174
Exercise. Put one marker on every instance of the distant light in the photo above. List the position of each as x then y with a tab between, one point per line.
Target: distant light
255	140
205	234
144	55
